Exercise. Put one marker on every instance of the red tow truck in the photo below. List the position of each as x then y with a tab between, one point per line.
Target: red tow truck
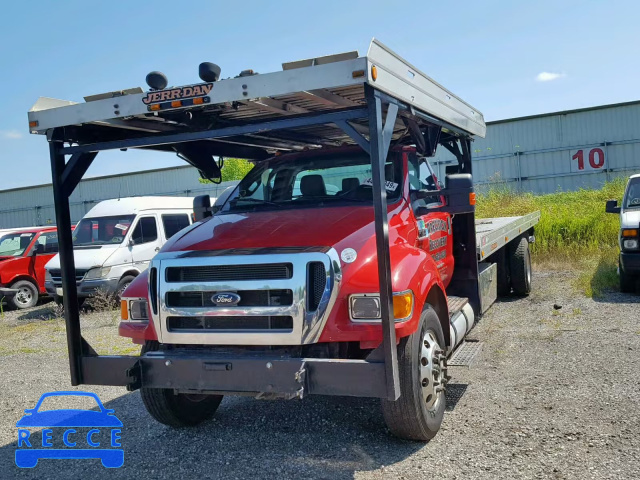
340	265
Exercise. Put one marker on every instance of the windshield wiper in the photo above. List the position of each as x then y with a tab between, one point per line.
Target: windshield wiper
255	201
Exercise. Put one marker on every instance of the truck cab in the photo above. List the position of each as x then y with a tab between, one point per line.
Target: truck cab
331	236
629	236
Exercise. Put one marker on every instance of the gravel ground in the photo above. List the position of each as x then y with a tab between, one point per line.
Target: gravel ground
555	394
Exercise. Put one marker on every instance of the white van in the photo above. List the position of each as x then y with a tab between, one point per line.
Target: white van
115	241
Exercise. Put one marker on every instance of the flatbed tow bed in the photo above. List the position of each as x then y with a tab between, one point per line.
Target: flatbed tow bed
373	102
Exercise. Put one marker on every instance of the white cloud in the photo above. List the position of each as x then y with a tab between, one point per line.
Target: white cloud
10	134
549	76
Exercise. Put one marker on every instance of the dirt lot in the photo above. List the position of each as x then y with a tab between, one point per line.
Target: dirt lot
555	394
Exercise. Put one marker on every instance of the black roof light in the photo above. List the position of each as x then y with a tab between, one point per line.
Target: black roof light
209	72
157	80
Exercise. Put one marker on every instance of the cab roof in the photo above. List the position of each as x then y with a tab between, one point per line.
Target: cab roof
135	205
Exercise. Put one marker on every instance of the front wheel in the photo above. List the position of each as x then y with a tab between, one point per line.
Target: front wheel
177	409
27	295
418	413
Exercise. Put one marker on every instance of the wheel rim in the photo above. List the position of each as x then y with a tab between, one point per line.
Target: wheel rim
24	296
433	371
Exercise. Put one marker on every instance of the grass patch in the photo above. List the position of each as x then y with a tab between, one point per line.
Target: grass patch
574	230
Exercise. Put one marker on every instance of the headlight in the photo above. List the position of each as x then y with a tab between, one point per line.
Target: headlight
134	310
366	307
96	273
630	244
47	276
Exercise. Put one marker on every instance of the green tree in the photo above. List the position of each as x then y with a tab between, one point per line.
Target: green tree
233	169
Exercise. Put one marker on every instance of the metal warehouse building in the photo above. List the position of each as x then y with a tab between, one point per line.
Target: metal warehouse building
541	153
29	206
557	151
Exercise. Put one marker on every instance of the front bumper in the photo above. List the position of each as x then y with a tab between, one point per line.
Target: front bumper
86	288
630	262
264	376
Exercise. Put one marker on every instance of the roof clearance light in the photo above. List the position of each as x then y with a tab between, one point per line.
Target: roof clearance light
154	108
357	73
33	124
374	72
198	101
176	104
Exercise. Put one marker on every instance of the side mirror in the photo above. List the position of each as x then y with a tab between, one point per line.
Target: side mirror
38	249
458	192
202	207
131	242
612	206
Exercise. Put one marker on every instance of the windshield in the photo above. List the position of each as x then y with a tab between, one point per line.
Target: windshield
339	178
102	230
14	244
632	197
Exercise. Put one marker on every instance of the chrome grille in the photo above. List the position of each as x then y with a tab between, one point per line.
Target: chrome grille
254	323
56	276
273	285
248	298
222	273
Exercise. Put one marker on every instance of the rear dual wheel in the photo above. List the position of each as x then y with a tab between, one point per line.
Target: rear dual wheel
418	413
520	267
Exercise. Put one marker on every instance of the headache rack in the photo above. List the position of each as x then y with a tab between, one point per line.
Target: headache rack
372	101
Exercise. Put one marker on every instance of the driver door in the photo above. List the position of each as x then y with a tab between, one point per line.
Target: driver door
434	227
144	241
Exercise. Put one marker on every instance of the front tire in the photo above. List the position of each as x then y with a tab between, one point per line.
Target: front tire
418	413
27	295
122	286
177	409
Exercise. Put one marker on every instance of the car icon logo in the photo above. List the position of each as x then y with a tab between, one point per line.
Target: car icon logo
225	299
101	440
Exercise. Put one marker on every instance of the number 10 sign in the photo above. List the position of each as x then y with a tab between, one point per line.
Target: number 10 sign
587	160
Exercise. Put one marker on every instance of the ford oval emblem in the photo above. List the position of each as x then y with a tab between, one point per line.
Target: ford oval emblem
225	299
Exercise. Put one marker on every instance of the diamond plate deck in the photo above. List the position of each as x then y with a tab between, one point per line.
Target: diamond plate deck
455	304
465	354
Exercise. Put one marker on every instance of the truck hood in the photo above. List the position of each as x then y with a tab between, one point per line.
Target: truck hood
286	228
86	258
630	219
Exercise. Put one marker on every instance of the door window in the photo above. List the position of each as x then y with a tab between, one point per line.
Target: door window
50	242
173	223
421	177
146	231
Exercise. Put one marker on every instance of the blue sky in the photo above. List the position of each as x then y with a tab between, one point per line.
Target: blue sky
506	58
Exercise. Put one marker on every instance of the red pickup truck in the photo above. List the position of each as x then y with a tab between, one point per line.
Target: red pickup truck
23	255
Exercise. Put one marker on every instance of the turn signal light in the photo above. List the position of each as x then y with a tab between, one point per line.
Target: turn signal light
631	232
402	305
357	73
33	124
124	310
472	198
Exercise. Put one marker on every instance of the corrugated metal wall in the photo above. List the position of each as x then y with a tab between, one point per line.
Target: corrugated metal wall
560	151
29	206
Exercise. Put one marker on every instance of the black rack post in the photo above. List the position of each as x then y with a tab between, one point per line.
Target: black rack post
380	138
65	177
